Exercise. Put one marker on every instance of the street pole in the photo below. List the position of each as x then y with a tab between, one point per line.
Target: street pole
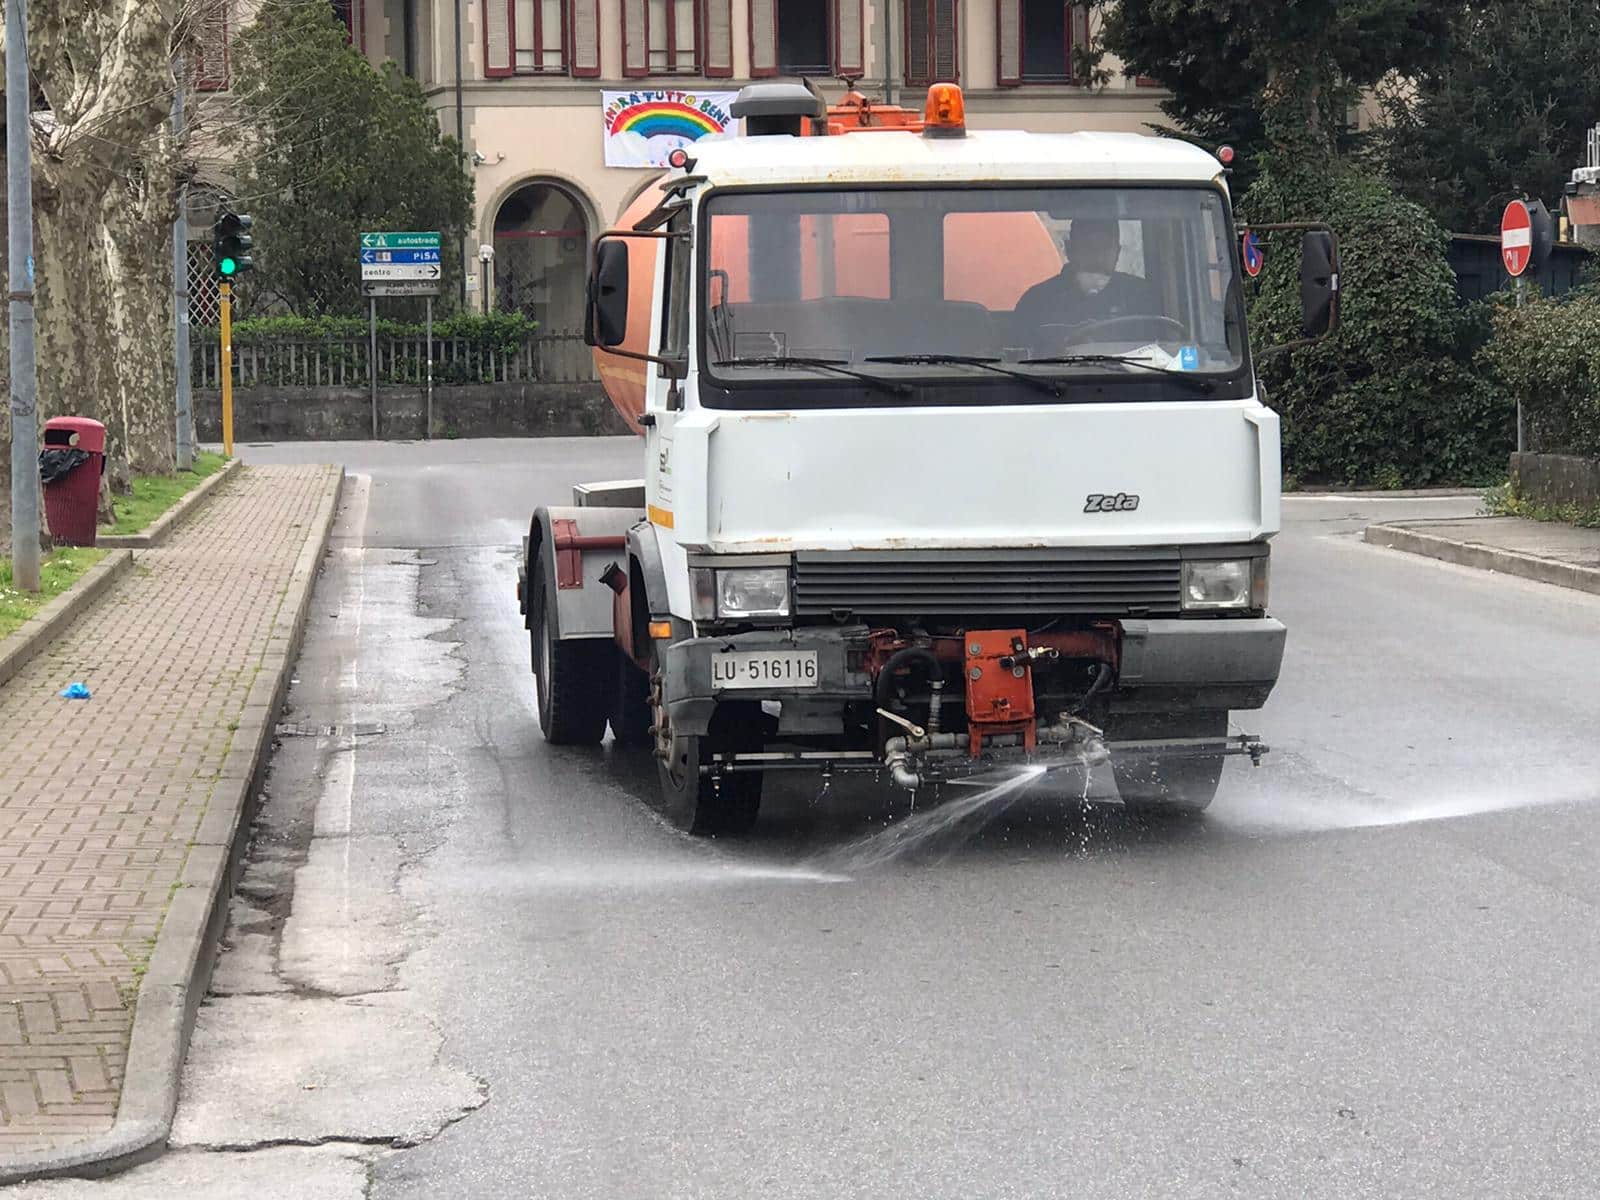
461	145
372	359
428	432
24	374
227	367
1519	398
180	291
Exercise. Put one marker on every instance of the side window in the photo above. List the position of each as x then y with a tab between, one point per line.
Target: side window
675	303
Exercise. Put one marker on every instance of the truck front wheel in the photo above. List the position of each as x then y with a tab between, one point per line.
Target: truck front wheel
575	680
695	802
1173	787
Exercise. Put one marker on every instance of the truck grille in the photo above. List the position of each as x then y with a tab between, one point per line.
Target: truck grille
1091	582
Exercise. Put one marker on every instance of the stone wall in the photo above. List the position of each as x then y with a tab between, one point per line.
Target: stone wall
295	414
1554	479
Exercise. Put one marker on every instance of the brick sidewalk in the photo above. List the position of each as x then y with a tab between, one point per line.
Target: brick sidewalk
99	799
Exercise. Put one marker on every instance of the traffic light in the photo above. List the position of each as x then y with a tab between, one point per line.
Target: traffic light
230	245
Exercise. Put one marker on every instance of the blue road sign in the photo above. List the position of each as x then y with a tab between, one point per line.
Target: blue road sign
399	257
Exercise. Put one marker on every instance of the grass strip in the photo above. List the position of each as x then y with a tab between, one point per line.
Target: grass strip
60	569
153	495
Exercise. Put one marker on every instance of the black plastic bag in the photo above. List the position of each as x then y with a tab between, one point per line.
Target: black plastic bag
56	465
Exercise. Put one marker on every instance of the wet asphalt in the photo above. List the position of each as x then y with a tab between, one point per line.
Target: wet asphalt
1371	971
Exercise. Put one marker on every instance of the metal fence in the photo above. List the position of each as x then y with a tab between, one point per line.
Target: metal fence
1475	259
557	356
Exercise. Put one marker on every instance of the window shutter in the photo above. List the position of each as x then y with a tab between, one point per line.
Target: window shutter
1008	42
763	37
945	69
497	39
635	39
583	41
848	57
718	27
1078	18
919	65
211	46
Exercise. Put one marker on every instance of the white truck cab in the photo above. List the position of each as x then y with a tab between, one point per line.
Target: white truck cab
953	454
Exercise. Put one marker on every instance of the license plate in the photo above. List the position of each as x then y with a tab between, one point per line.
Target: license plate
765	669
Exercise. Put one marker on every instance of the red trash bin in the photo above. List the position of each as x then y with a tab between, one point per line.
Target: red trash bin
70	466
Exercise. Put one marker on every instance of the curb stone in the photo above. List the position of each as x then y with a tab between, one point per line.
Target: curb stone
17	650
179	971
1488	558
161	528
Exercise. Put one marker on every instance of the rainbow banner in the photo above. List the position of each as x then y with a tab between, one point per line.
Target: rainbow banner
643	127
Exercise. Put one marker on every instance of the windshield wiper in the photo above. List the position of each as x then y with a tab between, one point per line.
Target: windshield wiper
836	365
969	360
1126	360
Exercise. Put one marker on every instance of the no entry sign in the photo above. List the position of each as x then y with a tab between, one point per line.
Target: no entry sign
1516	238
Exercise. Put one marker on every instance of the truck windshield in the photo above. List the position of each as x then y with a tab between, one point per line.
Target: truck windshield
922	284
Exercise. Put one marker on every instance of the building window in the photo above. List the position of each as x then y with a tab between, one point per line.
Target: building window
541	37
212	30
671	39
352	14
803	37
537	42
930	42
806	37
1036	39
677	37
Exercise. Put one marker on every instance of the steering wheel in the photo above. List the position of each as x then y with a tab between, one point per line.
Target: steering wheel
1080	333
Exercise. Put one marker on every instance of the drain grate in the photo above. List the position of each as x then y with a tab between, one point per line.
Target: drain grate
357	729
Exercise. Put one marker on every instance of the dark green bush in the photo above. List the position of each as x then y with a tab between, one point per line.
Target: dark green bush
1394	398
1547	353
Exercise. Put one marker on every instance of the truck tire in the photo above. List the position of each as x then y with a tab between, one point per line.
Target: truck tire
1173	787
696	803
630	717
576	680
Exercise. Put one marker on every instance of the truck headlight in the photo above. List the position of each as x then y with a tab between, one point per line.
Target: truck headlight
1218	584
740	592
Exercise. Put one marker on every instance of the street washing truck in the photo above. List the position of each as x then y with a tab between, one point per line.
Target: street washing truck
954	456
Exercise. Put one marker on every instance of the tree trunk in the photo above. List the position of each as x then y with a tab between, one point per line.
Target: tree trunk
105	167
139	258
76	376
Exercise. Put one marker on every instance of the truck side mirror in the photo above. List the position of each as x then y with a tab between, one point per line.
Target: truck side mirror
606	319
1319	284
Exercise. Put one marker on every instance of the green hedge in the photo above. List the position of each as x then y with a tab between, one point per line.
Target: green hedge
1395	398
1547	354
502	332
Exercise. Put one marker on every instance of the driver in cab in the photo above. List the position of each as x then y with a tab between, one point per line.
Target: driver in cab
1089	288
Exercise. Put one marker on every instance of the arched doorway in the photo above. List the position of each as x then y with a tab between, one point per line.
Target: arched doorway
541	239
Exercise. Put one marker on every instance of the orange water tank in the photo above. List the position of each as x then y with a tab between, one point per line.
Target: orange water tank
624	378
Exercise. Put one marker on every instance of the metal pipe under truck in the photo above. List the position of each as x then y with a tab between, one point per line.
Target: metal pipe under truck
954	455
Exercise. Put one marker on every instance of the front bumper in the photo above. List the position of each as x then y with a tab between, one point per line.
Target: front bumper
1168	666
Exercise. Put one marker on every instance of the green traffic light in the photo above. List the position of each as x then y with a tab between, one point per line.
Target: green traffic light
228	266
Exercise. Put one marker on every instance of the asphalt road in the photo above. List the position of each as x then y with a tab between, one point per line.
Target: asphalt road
1371	971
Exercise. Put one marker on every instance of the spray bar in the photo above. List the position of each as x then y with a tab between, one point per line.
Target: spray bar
952	762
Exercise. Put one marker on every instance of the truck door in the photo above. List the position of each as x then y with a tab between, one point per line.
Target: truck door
664	394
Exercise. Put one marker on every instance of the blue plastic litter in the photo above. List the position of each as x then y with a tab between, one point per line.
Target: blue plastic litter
75	691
